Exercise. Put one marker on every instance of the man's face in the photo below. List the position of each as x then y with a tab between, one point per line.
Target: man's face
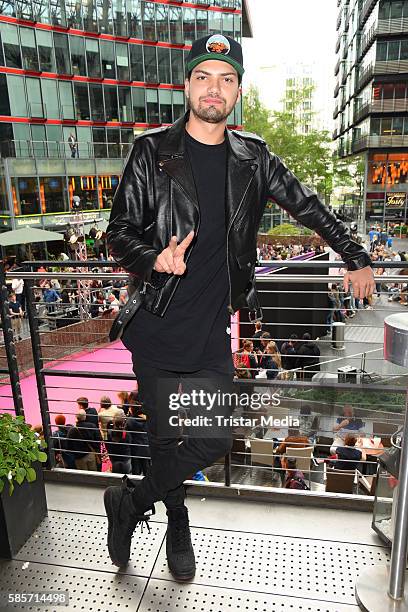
213	90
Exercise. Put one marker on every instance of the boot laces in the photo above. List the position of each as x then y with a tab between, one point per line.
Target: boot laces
180	535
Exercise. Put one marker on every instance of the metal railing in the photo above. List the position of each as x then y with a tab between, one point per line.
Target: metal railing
75	359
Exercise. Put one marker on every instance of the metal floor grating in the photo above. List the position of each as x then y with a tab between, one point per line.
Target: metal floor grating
79	540
293	567
164	596
89	591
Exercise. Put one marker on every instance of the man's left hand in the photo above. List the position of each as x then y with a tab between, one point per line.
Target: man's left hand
362	281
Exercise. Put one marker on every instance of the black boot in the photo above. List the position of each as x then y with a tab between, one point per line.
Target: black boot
124	513
179	550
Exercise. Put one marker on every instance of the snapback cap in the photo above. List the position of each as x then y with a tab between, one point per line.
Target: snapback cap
218	47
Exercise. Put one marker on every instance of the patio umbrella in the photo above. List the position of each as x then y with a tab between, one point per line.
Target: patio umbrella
27	235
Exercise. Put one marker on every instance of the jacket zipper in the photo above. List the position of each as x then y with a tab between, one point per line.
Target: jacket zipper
228	231
154	307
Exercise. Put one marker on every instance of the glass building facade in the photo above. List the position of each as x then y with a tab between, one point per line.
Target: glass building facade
371	101
78	80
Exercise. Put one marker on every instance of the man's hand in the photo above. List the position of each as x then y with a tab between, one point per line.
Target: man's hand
362	282
171	259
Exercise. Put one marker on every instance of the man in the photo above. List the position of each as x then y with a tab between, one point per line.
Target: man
91	413
16	314
84	441
184	222
308	357
257	335
73	145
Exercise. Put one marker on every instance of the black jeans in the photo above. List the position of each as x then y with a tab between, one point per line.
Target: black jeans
176	456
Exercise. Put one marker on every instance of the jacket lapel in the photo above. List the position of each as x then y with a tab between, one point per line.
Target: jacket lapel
240	171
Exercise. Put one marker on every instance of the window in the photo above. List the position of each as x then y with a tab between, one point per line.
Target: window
125	104
177	66
86	188
90	18
122	62
107	187
16	92
237	27
78	55
108	59
66	100
148	20
57	12
111	103
189	26
39	145
119	17
384	9
202	23
406	126
178	104
62	53
104	15
386	127
9	35
45	51
54	140
29	49
136	62
25	192
34	98
127	138
381	51
163	55
396	9
135	19
162	22
393	49
166	114
96	101
113	138
7	8
404	50
22	139
92	58
53	193
74	16
150	64
139	109
4	96
50	97
214	22
152	106
82	101
99	142
176	25
41	10
23	9
228	24
397	125
400	91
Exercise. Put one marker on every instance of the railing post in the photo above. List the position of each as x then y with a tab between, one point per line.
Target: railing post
10	345
38	366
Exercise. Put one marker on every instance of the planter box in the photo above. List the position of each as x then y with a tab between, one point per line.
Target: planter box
21	513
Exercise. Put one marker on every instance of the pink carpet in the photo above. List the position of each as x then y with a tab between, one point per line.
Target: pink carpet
62	391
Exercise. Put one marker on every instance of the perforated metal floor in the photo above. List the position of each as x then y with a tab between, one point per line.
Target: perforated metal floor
89	591
275	564
166	596
79	541
236	571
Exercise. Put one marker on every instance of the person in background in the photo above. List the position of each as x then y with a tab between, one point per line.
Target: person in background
348	456
344	425
124	401
136	426
84	441
67	459
288	352
16	314
106	413
308	357
91	413
118	445
307	423
257	335
73	145
294	478
248	357
271	360
17	287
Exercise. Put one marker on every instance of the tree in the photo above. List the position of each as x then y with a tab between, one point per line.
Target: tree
309	156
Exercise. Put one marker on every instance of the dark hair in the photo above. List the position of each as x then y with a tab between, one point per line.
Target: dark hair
291	463
306	336
83	401
294	337
305	410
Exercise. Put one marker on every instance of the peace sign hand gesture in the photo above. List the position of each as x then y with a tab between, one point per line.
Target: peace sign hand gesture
171	259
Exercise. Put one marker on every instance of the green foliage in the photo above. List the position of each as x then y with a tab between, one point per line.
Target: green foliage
288	229
308	156
382	400
20	447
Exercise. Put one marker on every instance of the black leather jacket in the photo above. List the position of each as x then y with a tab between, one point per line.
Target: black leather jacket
156	199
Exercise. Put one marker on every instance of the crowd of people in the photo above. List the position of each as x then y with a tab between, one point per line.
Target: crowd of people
115	436
262	357
279	252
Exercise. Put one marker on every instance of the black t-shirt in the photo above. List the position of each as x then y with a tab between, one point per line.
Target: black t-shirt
193	332
14	307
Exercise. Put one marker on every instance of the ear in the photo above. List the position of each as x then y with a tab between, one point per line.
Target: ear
239	94
187	87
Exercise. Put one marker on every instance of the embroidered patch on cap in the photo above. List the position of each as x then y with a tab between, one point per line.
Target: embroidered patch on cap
218	44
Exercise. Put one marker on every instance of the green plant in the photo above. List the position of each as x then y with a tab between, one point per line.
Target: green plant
20	447
285	229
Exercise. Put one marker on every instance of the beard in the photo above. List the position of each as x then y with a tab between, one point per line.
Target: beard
210	113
